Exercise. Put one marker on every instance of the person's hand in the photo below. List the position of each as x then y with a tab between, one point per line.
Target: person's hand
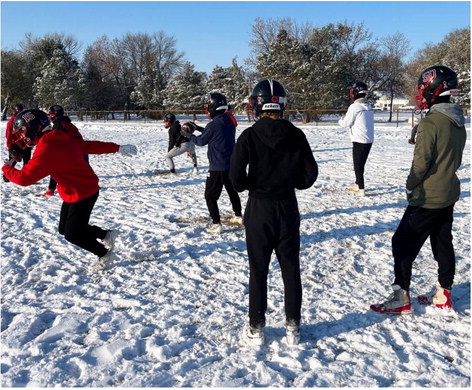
128	150
15	155
8	163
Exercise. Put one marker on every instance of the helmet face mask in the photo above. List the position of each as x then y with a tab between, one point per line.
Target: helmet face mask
28	127
267	96
435	85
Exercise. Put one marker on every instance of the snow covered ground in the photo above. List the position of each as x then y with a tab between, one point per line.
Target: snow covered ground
171	309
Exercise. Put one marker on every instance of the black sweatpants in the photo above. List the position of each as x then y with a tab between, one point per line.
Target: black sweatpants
213	187
414	228
360	152
273	225
74	226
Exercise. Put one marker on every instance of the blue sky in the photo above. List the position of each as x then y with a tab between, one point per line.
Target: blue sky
214	32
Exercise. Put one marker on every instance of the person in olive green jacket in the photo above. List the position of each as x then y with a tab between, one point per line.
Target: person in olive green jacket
432	190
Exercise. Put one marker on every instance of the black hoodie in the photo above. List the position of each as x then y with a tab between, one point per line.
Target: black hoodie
279	157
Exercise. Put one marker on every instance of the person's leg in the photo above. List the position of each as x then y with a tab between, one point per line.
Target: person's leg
259	224
443	248
190	148
170	155
74	225
213	188
413	230
360	153
288	253
233	195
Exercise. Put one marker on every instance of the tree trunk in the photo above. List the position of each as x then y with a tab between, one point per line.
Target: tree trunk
5	109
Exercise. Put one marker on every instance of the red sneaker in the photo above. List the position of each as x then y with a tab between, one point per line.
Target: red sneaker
398	303
48	193
441	298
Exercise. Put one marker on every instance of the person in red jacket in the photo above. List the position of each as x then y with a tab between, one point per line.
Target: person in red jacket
57	154
14	151
60	121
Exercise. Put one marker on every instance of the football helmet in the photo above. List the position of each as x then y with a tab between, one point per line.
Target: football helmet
435	83
267	95
28	127
217	104
169	118
358	90
55	111
17	108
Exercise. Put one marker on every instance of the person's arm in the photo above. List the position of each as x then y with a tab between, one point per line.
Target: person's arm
239	161
205	137
309	167
349	119
35	170
422	158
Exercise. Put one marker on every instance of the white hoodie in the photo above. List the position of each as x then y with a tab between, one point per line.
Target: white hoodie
360	121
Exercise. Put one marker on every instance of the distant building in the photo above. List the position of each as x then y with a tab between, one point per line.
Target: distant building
383	101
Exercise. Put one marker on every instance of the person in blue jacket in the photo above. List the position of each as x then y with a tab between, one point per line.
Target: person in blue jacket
219	134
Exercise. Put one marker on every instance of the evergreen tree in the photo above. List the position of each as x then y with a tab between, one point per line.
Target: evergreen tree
186	91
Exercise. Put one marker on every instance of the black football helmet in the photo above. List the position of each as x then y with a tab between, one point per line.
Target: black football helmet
17	108
358	90
435	83
217	104
267	95
55	111
28	127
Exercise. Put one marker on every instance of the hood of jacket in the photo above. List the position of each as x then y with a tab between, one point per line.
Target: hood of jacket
451	110
277	134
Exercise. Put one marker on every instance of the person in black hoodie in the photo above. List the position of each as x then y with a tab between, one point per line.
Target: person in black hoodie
178	143
280	160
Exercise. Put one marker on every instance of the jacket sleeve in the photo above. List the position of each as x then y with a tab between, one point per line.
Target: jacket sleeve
349	118
309	167
98	147
422	158
35	170
205	137
239	161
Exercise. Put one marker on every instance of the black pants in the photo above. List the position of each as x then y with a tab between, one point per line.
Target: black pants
53	183
360	152
74	226
414	228
213	187
273	225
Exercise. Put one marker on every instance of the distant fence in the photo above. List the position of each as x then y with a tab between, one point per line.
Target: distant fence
316	116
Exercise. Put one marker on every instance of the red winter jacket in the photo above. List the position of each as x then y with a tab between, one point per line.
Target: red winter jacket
8	131
62	157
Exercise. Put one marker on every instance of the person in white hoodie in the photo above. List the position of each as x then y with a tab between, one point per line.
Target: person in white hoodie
360	121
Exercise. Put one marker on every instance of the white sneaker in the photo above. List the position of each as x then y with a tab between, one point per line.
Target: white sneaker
110	238
292	334
105	262
353	188
194	170
253	336
215	228
398	303
236	220
360	193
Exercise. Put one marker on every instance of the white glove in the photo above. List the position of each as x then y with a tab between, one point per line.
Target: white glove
128	150
8	162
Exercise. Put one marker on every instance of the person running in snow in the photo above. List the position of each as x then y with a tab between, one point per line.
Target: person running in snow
432	190
178	143
219	134
280	160
60	156
14	151
63	122
360	121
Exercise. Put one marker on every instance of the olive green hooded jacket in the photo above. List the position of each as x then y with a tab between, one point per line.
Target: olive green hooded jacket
438	152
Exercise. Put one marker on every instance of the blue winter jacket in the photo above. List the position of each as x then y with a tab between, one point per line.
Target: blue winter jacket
219	135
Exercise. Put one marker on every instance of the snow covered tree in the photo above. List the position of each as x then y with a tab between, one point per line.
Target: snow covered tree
186	90
58	82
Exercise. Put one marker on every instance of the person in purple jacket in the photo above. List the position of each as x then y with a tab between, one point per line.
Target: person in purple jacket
219	135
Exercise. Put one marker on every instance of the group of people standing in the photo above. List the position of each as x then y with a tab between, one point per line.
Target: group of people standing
271	159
